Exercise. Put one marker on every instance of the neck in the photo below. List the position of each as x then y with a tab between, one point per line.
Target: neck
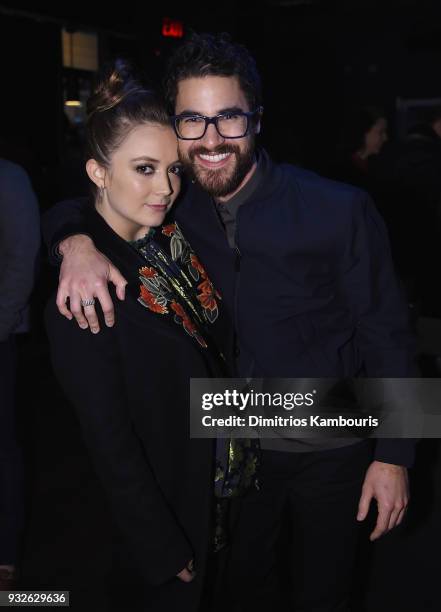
123	227
246	178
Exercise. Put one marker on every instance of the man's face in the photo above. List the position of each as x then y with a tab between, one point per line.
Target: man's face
220	165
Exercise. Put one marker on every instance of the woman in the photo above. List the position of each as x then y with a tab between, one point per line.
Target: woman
129	384
363	137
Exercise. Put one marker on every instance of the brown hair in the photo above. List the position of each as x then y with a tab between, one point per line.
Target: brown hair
119	103
204	55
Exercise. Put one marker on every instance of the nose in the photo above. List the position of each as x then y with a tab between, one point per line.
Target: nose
211	138
163	184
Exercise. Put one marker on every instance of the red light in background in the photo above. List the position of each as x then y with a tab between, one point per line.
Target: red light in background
171	28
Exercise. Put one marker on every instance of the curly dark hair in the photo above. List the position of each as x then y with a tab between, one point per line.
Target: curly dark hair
212	55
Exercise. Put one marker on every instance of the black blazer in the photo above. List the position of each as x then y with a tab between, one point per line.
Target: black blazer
130	388
311	287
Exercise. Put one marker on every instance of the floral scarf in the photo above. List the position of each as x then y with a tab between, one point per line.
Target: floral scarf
175	284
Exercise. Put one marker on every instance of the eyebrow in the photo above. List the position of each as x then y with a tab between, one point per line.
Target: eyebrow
229	109
145	158
156	161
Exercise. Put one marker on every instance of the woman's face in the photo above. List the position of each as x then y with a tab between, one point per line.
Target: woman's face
376	137
142	182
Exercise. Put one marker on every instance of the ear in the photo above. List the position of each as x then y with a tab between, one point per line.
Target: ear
259	114
96	173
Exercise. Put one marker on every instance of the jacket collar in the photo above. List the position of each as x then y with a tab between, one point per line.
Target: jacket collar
196	199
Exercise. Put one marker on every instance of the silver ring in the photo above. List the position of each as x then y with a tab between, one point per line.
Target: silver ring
88	302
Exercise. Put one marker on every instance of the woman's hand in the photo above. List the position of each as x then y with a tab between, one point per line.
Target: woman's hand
84	275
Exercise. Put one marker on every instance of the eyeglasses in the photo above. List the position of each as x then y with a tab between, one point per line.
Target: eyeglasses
228	125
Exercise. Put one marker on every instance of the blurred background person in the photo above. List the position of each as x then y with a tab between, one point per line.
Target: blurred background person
364	161
363	135
19	246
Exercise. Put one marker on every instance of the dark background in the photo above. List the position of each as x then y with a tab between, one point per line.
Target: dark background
318	59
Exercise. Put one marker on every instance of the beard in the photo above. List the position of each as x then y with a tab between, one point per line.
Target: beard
223	181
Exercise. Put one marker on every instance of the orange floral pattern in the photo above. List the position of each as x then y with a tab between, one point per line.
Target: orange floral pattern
169	230
148	272
148	300
207	295
176	283
182	317
197	265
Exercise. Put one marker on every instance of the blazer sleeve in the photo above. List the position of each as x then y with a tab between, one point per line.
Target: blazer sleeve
89	370
19	244
383	333
65	219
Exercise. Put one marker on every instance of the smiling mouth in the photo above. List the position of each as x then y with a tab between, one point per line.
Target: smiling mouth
214	159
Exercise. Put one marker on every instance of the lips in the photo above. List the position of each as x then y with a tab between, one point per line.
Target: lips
214	160
157	207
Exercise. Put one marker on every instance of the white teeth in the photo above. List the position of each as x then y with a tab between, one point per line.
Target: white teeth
213	157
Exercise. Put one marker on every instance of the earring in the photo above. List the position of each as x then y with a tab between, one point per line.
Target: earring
101	193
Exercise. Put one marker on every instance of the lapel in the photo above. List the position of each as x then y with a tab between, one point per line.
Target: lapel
153	290
197	216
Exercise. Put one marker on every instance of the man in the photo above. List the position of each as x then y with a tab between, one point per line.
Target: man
304	270
19	245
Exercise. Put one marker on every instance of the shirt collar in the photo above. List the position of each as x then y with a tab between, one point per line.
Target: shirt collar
228	209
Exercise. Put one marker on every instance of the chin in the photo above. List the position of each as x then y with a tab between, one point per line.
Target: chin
156	218
214	180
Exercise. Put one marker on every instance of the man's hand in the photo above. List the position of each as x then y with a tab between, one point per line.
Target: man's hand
84	274
187	574
389	485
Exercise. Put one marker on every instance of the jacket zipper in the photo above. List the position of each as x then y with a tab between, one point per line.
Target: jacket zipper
237	271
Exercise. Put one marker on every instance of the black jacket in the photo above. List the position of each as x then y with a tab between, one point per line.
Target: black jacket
317	295
130	388
19	246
